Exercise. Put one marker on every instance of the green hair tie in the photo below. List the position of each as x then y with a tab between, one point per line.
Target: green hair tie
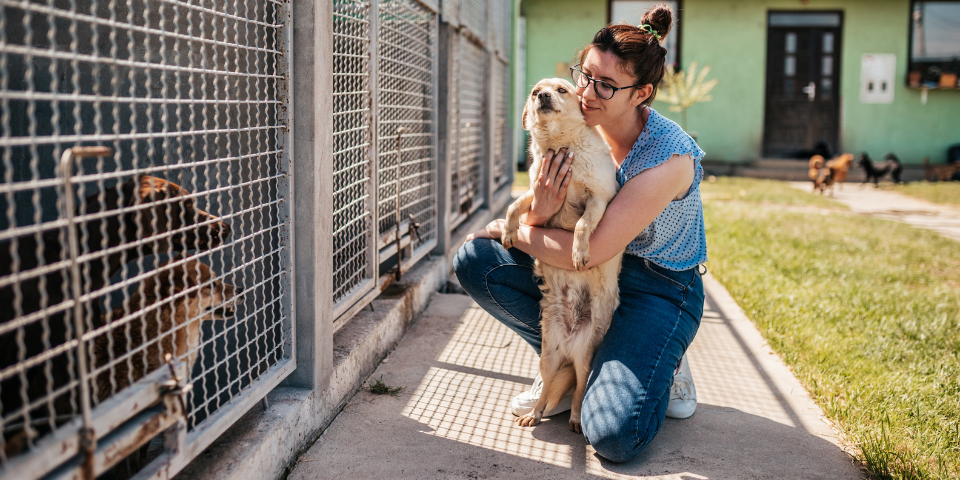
648	29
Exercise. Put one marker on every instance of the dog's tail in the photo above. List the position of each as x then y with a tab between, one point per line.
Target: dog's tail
564	380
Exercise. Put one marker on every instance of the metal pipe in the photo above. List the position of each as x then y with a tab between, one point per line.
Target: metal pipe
400	132
88	439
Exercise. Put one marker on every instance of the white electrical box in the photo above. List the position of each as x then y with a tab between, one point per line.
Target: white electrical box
876	77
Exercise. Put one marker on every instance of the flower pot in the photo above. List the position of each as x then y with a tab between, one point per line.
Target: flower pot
948	80
913	78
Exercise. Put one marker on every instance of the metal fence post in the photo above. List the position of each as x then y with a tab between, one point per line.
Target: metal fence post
313	190
446	147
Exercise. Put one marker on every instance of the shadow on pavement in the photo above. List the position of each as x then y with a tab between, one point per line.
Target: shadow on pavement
460	368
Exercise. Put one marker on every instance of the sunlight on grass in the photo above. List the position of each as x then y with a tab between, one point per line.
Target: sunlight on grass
521	179
939	192
763	192
865	311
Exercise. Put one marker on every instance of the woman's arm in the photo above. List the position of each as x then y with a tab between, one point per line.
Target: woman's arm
637	204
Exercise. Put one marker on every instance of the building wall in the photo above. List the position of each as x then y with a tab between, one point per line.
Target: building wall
730	36
556	30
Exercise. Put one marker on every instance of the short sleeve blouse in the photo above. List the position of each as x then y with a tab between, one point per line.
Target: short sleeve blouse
676	239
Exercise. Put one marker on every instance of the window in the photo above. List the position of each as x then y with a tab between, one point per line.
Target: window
629	11
934	44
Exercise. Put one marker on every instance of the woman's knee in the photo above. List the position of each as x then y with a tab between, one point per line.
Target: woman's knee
468	258
473	260
615	432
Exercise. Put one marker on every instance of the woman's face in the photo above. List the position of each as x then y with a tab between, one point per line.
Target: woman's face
597	111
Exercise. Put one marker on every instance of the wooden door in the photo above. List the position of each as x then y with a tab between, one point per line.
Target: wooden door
803	80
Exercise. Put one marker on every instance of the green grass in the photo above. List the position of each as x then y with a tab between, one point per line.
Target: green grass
380	388
939	192
521	179
865	311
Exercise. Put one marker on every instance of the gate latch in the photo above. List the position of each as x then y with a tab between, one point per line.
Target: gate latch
176	386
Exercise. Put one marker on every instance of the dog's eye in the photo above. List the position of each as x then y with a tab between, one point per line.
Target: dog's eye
535	92
562	90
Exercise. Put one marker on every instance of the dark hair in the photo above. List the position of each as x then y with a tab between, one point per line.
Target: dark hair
640	52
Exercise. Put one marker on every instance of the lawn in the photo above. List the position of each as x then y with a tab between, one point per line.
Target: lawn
865	311
521	179
937	192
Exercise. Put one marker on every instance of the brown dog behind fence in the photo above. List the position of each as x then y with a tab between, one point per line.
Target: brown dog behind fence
148	215
167	310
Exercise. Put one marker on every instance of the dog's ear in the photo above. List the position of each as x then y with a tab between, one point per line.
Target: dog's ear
523	120
129	191
151	189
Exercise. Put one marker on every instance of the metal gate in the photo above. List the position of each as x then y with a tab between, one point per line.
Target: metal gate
385	180
468	128
502	157
145	264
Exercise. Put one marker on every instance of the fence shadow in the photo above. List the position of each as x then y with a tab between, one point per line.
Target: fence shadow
460	368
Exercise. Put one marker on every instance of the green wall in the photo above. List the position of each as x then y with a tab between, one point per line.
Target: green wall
730	36
556	30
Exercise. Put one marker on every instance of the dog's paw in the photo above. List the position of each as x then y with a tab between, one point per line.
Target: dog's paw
508	238
575	426
581	257
528	420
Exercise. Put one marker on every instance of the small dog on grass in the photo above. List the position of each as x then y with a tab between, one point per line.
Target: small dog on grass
940	173
875	172
577	306
819	174
828	174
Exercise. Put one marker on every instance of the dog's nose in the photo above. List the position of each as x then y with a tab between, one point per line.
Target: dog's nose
543	96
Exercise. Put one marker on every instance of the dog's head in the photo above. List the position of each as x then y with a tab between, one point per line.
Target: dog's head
843	161
172	208
214	300
552	107
816	162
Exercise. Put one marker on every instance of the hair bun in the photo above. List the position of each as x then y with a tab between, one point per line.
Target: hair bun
660	17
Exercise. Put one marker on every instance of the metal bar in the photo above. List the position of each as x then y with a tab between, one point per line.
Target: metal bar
88	441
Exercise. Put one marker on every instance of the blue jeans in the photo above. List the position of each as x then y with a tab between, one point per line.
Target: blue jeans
629	385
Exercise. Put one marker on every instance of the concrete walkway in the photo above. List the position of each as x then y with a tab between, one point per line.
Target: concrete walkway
898	207
459	368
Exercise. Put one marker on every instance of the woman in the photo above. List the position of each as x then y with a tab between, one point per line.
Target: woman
657	216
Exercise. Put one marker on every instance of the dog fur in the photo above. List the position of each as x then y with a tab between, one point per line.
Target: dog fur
819	174
163	207
939	173
840	167
171	327
830	173
891	164
577	306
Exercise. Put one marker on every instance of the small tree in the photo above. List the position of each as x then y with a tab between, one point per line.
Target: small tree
683	90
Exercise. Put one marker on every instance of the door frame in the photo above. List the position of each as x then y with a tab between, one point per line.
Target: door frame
838	65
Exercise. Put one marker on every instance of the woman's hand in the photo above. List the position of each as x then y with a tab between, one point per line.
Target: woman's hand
550	187
493	230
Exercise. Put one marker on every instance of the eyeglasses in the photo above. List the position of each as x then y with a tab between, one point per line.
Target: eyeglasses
603	89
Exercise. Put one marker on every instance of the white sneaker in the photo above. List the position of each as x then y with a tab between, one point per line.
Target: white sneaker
523	404
683	394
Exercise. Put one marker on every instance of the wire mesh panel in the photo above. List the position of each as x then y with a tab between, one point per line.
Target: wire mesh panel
407	85
500	17
352	157
473	15
468	121
169	239
501	144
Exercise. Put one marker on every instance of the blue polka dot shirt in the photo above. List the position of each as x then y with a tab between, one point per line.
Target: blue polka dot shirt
676	239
